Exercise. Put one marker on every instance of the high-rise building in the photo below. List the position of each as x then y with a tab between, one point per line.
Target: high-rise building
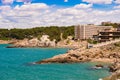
87	31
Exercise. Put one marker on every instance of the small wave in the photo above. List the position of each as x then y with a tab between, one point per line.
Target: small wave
100	79
30	64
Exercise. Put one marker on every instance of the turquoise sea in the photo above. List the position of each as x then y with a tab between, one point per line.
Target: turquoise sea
14	65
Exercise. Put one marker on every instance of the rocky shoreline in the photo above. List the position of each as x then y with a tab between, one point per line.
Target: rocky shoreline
34	42
109	53
4	41
102	54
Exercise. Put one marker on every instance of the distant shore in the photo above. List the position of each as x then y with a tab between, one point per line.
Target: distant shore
24	44
36	43
4	41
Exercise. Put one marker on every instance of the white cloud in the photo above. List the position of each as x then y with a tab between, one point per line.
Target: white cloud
32	15
83	6
6	7
32	6
99	1
65	0
117	1
117	7
25	1
7	1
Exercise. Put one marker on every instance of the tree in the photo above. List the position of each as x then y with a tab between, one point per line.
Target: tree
53	31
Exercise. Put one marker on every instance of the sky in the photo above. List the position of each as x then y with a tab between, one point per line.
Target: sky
36	13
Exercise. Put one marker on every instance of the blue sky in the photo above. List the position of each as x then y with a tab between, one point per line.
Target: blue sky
61	3
33	13
50	2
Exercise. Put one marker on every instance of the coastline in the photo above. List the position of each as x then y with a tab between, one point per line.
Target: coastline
15	46
5	41
77	55
106	54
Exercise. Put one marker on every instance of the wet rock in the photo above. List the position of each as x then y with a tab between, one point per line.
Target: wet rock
99	65
114	76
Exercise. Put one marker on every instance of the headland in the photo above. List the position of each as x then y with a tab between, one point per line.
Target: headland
108	54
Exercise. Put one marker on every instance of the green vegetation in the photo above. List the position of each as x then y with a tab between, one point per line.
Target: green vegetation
91	41
115	25
53	31
117	44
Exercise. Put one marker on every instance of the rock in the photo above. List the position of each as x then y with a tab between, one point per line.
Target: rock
4	41
109	53
114	76
99	65
35	42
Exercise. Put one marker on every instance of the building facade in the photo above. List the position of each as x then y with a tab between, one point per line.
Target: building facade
108	35
87	31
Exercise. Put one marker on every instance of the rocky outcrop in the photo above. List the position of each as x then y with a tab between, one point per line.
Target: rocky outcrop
35	42
72	44
115	69
103	54
114	76
109	53
4	41
65	58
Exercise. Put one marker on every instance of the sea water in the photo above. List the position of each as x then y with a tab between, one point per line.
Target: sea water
15	65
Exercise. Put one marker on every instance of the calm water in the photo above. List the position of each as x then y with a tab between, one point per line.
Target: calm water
14	66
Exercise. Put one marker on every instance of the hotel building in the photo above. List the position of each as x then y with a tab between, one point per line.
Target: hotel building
87	31
109	35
